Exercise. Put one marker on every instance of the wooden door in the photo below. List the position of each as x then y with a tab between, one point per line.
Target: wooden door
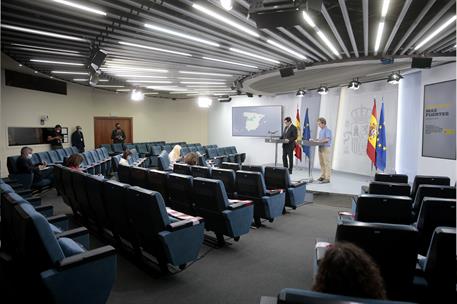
103	126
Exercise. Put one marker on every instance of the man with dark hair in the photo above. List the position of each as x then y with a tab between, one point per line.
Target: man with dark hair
77	139
289	135
118	135
55	138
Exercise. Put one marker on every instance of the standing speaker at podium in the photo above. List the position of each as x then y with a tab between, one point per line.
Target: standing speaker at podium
325	138
289	135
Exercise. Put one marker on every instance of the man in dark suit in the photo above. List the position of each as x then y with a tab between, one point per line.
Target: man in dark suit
77	139
289	135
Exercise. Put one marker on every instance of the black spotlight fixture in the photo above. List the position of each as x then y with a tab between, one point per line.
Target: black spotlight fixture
394	78
323	90
301	92
249	94
354	84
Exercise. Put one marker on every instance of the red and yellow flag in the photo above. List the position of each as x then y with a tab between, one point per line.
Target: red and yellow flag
298	151
372	135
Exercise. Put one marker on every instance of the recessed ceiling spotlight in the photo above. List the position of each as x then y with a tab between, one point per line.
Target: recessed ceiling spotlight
323	90
227	4
300	93
19	65
35	72
394	78
137	95
354	84
204	102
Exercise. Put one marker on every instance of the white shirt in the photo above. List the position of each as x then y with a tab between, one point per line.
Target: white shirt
123	162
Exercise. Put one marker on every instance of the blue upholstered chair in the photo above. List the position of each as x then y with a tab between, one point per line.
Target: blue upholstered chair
268	204
233	166
182	169
279	178
163	161
201	171
228	177
180	191
425	190
168	238
383	209
428	180
223	216
253	168
384	188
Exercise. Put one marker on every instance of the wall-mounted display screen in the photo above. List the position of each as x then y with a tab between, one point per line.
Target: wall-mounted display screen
257	121
22	136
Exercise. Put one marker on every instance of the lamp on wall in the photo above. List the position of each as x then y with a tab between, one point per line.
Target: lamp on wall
43	119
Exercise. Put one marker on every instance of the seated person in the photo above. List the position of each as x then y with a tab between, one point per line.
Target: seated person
41	176
74	162
124	159
191	158
347	270
174	155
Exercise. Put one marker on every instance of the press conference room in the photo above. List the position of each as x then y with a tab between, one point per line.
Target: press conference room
228	151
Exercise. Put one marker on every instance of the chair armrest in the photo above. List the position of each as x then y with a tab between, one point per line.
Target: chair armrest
179	225
321	247
45	210
57	218
296	184
86	257
343	215
80	235
236	204
273	192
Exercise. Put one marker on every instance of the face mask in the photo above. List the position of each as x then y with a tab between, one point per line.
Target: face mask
29	156
58	131
79	130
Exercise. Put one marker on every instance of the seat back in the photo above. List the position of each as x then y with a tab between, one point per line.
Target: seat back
167	148
54	156
68	151
44	157
82	195
115	197
440	265
141	148
193	149
155	149
69	191
391	178
62	154
233	166
250	184
184	151
434	212
277	178
94	186
392	247
148	214
163	161
118	148
201	171
11	164
139	177
158	181
180	189
123	174
107	147
106	151
95	156
428	180
432	191
384	209
182	169
35	159
253	168
101	154
211	152
209	195
227	176
89	158
389	188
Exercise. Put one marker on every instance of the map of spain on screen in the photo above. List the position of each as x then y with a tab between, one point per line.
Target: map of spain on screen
257	121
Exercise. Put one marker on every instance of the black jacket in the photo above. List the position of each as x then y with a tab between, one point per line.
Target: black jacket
77	140
291	135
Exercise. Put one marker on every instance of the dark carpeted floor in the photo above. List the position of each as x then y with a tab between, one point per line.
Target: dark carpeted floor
263	262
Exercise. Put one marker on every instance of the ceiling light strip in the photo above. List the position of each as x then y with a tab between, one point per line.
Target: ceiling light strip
436	32
254	55
56	62
81	7
179	34
205	73
43	33
286	49
230	62
154	48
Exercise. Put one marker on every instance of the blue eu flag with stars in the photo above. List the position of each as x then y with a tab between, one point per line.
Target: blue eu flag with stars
306	134
381	153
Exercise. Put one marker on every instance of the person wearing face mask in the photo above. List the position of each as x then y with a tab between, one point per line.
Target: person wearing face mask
41	175
77	139
55	138
118	135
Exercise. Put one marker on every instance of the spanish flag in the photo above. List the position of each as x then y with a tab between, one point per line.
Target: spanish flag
298	151
372	135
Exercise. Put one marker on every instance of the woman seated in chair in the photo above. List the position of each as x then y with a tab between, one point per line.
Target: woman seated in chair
175	155
74	162
41	176
124	161
191	158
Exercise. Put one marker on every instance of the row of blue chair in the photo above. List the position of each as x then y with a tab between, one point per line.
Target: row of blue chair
394	249
55	265
134	219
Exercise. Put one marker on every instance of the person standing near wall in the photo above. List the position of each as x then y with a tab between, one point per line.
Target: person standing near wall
118	135
55	138
325	140
289	135
77	139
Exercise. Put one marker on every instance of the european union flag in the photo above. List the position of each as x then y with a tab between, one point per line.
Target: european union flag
306	134
381	153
